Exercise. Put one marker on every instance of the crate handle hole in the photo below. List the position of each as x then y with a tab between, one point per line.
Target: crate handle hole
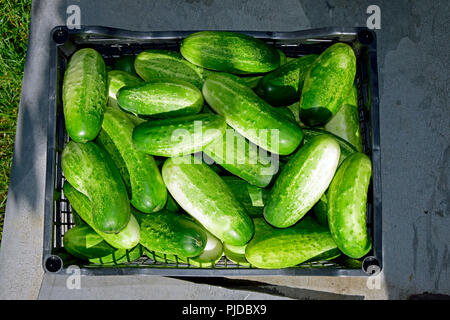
366	37
60	35
53	264
371	265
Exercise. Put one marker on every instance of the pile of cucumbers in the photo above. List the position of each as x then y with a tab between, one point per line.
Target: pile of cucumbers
225	148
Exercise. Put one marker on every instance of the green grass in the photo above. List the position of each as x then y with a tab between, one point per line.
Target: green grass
14	22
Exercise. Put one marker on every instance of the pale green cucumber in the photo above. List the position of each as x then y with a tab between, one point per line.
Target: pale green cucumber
84	243
273	248
251	116
208	258
327	83
229	52
302	181
148	193
251	197
345	123
283	58
236	254
120	256
84	94
90	170
207	198
171	233
347	205
178	136
125	239
161	98
239	156
154	64
345	147
125	63
118	79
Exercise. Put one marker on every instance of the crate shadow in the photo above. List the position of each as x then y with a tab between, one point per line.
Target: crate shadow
266	288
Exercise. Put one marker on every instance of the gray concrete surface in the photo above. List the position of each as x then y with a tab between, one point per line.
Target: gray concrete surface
413	57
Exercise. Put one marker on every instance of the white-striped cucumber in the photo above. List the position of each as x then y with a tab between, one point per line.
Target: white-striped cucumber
302	181
207	198
84	94
327	83
273	248
90	170
167	64
345	123
229	52
251	116
147	189
347	205
125	239
161	98
242	158
178	136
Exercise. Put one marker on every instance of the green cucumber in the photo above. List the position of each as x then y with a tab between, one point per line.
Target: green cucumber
154	64
148	192
347	200
107	144
84	94
283	248
327	255
211	254
161	98
77	220
229	52
171	204
242	158
236	254
207	198
283	86
119	256
125	63
171	233
327	83
90	170
125	239
252	82
289	59
178	136
84	243
283	58
345	147
208	258
302	181
345	123
251	116
286	112
251	197
116	80
320	210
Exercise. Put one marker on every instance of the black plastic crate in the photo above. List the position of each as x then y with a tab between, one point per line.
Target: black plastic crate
112	43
